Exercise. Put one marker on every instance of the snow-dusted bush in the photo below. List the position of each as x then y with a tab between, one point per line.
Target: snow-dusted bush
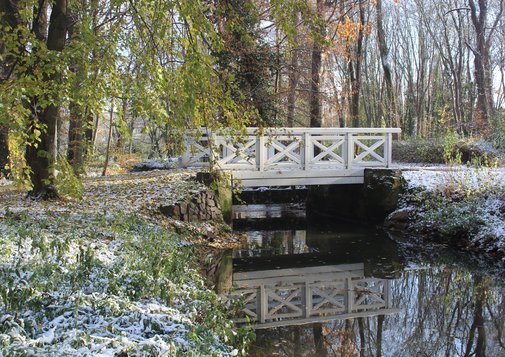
105	285
461	206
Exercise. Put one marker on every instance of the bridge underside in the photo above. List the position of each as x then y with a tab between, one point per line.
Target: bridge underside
297	177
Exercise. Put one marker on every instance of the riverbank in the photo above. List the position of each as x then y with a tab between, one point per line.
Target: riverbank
110	274
459	206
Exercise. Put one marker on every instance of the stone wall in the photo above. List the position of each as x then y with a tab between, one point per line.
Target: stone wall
202	206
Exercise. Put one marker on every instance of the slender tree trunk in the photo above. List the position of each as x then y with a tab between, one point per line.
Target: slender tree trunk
109	137
293	82
482	67
278	72
386	67
120	143
297	343
317	329
315	98
355	70
91	124
75	152
94	132
4	149
380	325
478	322
293	76
338	106
9	16
362	344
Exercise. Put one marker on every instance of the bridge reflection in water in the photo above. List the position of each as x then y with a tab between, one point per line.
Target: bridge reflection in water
297	296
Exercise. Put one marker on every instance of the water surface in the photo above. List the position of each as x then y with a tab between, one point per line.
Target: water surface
341	289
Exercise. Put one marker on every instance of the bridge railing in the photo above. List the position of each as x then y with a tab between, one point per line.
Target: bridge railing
291	149
314	294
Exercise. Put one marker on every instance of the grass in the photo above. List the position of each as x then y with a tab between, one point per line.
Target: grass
109	274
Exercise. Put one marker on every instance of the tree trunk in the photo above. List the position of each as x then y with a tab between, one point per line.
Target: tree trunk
362	344
380	325
120	143
40	154
317	329
293	77
315	100
91	133
4	149
355	70
91	124
478	322
390	111
75	152
109	137
293	82
481	67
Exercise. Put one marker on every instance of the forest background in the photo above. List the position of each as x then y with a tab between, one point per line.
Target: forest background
146	71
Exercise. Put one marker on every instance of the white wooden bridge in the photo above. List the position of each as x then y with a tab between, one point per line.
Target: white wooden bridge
297	296
293	156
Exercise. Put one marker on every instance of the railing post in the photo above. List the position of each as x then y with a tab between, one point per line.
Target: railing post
262	307
186	155
307	152
260	152
387	294
349	296
388	149
307	299
349	150
212	145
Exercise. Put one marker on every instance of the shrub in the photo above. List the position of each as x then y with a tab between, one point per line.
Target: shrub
67	183
448	150
114	285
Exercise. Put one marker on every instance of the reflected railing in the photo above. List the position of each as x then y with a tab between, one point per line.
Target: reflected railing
294	296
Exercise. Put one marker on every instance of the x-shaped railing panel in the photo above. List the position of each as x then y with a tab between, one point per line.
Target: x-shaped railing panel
283	302
334	297
328	148
369	292
284	151
369	150
237	154
277	149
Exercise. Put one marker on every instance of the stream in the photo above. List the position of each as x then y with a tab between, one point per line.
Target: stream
344	289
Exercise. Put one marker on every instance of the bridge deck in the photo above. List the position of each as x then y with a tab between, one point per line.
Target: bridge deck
293	156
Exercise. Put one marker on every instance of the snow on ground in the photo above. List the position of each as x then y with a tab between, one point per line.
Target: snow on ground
102	277
135	193
431	178
475	195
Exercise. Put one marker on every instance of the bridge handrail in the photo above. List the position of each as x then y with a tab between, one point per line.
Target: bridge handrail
262	149
296	130
285	301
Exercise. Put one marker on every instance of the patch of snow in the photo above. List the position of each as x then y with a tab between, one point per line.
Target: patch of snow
488	183
150	165
87	318
465	178
5	182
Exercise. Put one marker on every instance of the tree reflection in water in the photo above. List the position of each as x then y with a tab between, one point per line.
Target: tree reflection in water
446	305
443	312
